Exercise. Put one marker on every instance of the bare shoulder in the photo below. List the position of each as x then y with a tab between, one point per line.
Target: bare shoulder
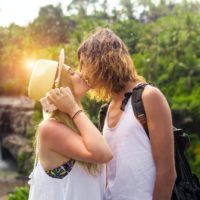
152	95
155	104
50	128
47	125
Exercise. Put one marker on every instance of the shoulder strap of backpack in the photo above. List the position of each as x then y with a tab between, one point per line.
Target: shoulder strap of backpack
138	106
102	115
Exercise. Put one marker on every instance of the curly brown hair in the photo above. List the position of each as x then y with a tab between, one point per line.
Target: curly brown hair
107	63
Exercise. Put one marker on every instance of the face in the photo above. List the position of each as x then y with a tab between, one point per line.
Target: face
79	84
84	75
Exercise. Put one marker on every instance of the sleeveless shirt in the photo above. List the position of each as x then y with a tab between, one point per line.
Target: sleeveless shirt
130	175
76	185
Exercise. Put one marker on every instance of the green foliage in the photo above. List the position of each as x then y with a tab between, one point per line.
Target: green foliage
50	27
128	8
168	55
91	107
193	154
84	27
20	193
128	31
12	86
80	6
36	119
164	42
25	161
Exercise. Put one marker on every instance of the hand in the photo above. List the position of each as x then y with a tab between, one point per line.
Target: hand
64	100
46	105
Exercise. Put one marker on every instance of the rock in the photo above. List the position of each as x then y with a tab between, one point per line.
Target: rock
15	114
21	150
21	102
15	121
17	145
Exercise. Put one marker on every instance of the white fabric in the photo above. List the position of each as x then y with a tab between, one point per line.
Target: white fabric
131	172
77	185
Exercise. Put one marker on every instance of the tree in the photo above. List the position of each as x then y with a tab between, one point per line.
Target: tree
102	12
168	55
81	6
13	76
128	30
50	27
128	8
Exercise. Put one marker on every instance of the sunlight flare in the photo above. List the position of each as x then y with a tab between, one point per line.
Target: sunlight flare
29	64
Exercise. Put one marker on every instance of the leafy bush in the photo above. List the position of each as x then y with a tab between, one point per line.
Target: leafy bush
20	193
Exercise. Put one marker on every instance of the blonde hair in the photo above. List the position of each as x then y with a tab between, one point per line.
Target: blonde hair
107	62
64	118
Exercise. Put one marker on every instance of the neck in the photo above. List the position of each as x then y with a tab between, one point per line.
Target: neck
119	96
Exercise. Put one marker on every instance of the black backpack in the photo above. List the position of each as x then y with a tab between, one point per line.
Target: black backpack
187	186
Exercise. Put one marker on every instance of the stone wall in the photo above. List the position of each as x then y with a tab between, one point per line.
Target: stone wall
15	119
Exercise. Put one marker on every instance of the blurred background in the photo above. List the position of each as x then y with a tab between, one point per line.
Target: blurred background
163	38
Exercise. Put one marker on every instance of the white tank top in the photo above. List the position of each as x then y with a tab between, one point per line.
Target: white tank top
131	172
77	185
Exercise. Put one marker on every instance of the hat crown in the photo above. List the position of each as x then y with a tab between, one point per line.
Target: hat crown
42	78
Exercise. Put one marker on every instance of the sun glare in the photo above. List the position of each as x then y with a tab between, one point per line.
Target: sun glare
29	64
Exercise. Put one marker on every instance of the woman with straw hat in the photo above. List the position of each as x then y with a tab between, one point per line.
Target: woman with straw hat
69	148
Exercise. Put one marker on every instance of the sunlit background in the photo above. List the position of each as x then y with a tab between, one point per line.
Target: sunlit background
163	38
22	12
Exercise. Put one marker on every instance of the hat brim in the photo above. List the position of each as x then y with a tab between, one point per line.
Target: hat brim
42	78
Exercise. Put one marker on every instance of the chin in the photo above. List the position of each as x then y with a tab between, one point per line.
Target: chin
81	92
80	95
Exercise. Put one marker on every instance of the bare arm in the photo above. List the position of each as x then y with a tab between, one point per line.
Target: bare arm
161	137
61	139
90	141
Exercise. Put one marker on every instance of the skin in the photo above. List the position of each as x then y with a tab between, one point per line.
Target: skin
159	122
58	143
161	136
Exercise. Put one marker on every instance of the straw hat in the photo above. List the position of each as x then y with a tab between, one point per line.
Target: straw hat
44	77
